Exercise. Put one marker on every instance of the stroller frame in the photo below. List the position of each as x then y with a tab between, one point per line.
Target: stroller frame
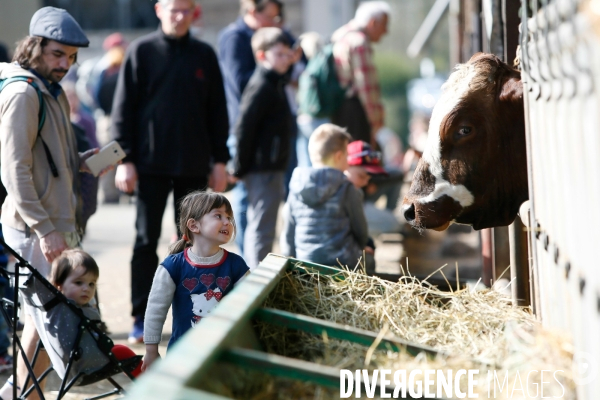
114	367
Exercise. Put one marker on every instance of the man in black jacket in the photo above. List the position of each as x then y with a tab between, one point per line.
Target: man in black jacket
170	117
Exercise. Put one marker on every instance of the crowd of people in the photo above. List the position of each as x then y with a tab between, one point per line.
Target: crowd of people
193	121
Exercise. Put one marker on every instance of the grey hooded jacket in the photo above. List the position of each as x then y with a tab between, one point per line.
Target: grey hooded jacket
324	220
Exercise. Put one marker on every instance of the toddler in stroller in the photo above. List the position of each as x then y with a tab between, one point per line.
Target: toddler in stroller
69	327
75	274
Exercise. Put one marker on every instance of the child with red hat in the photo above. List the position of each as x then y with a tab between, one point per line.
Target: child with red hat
363	162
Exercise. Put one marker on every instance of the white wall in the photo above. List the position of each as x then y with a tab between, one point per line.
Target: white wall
325	16
14	19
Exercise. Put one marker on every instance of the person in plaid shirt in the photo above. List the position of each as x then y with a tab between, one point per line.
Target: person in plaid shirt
361	112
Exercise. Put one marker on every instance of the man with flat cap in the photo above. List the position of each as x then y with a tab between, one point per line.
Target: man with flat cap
39	169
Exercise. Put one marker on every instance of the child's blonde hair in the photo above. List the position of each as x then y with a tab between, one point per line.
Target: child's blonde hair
325	141
195	206
68	261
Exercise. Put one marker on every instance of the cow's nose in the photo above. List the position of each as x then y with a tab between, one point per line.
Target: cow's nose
409	212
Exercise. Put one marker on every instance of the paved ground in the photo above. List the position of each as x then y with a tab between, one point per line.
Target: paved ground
110	237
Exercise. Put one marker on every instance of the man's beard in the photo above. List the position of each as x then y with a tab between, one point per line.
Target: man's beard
55	76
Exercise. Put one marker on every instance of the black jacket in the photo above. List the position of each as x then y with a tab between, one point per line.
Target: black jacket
188	126
263	128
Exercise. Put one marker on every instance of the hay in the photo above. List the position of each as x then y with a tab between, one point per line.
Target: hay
473	330
460	322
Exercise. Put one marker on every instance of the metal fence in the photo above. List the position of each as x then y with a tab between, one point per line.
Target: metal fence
560	59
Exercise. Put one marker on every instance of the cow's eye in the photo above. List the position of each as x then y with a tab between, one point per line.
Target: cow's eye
464	131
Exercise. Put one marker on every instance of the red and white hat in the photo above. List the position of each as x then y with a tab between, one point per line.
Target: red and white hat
361	154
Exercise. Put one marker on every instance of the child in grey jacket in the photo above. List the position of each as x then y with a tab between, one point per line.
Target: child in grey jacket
324	221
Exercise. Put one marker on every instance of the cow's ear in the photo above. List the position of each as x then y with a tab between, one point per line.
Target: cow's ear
511	90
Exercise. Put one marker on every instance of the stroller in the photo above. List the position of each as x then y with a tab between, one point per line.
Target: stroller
79	350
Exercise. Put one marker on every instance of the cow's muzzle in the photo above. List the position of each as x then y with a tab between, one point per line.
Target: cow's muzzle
409	212
435	215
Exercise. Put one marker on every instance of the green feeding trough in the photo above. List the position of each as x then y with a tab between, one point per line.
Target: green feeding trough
228	338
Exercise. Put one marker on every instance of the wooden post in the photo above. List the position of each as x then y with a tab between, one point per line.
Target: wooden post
487	253
519	263
501	253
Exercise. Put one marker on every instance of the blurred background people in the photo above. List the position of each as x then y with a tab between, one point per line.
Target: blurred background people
103	89
309	43
362	112
84	128
96	84
238	64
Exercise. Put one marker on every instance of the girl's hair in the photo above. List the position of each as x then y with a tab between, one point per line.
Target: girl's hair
68	261
29	51
195	206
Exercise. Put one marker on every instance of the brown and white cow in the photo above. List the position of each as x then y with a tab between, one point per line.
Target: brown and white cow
473	170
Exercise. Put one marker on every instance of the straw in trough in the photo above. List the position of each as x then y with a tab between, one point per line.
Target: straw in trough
471	329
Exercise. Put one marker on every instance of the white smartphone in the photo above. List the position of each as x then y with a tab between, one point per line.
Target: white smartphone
109	155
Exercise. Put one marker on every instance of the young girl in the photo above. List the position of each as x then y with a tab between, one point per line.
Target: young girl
75	274
197	273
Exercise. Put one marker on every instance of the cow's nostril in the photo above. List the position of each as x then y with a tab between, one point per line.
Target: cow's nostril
409	212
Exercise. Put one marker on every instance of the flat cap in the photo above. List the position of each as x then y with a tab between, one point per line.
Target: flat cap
57	24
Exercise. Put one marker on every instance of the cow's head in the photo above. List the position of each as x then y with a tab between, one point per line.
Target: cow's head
474	169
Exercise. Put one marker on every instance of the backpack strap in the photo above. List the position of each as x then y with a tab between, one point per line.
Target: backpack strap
41	115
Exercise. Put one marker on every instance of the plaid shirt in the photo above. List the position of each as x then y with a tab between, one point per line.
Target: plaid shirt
355	69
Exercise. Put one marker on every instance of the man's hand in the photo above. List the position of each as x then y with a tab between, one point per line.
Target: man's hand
126	177
83	167
52	245
84	156
358	176
150	356
218	178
